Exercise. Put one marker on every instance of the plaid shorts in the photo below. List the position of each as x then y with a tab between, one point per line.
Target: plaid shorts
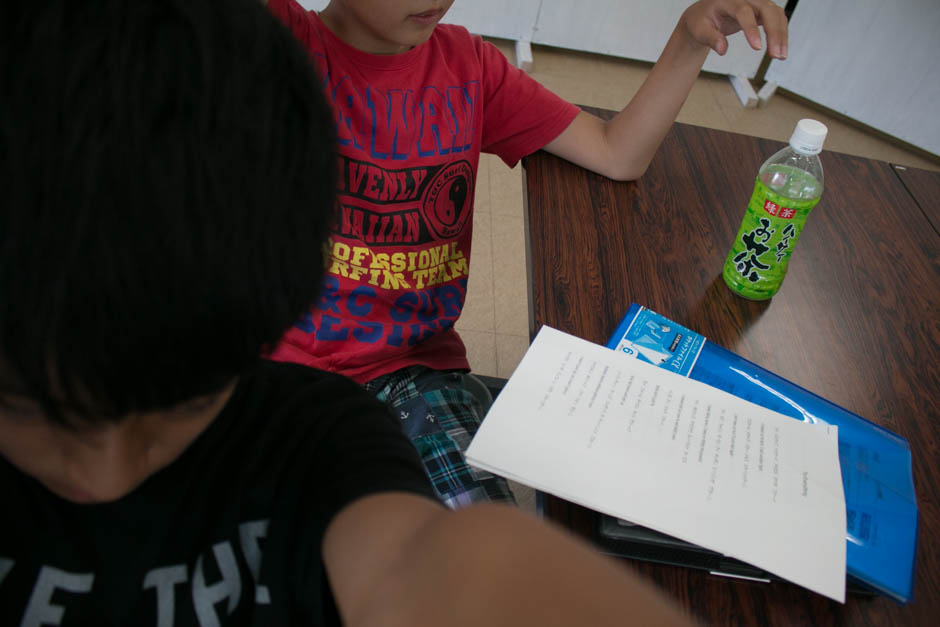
441	416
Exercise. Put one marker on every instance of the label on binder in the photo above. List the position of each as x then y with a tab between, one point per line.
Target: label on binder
658	340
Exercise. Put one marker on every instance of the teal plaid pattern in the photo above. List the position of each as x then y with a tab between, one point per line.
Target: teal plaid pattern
441	416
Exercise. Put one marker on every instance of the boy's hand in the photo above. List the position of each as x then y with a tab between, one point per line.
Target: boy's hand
708	22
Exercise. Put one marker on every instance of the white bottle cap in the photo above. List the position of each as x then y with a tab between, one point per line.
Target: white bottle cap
808	137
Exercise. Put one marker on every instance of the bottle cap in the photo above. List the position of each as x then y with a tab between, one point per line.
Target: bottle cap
808	137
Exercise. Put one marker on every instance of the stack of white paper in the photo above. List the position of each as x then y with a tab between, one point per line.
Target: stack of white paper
637	442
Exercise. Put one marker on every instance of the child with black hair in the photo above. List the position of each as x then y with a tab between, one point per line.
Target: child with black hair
166	167
415	103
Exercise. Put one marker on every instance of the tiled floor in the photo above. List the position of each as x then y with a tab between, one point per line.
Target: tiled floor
494	323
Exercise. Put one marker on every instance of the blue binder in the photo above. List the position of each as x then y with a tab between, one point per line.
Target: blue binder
881	507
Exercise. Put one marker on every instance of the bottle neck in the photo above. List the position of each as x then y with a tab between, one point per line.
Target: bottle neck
805	153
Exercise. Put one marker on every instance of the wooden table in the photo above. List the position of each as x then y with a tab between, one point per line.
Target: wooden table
857	320
924	186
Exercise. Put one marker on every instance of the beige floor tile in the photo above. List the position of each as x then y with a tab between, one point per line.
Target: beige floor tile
506	196
588	79
701	108
776	120
722	91
581	66
481	351
613	87
481	194
509	352
509	276
478	312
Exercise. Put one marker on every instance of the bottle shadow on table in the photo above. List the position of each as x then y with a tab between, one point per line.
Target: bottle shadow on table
723	316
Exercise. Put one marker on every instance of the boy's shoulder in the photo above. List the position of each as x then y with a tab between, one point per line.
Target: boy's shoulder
457	44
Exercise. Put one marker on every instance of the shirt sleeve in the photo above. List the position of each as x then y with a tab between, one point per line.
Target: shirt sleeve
520	115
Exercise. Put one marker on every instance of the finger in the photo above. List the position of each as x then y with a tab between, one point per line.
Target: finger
707	33
775	25
719	43
747	20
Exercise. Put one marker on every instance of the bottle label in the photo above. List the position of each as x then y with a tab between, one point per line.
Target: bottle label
758	260
774	209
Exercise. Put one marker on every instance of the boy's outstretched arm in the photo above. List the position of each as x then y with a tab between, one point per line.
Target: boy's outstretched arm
400	559
623	147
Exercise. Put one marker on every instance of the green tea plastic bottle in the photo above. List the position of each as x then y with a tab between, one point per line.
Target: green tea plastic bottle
788	186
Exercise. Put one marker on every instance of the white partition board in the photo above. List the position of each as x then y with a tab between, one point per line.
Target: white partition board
506	19
874	61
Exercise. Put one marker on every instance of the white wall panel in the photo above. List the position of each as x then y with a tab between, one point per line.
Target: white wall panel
506	19
877	62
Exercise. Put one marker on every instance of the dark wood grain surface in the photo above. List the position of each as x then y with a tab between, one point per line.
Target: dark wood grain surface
856	320
924	186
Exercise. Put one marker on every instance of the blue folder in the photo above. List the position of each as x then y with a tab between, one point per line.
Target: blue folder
881	507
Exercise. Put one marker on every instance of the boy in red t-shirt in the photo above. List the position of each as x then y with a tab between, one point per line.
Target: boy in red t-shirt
415	102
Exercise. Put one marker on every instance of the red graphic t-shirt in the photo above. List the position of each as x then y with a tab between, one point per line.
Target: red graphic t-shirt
411	128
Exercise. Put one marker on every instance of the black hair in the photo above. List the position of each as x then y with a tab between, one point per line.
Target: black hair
166	178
